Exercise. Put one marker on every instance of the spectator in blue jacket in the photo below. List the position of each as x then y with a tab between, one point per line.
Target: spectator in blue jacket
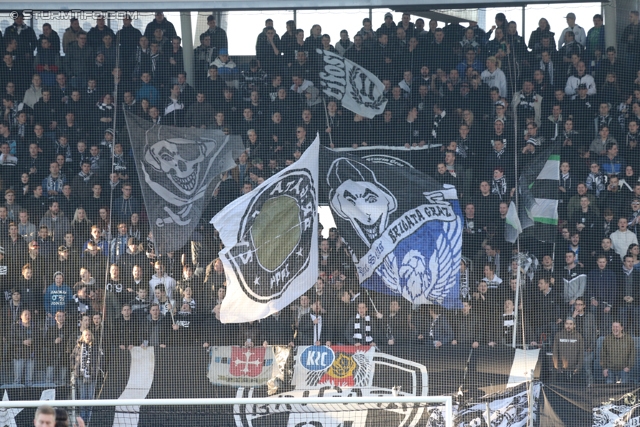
57	297
611	163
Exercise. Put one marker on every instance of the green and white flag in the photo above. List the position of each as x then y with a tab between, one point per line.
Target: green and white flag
538	189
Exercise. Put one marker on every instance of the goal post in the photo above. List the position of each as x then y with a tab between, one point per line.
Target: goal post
324	407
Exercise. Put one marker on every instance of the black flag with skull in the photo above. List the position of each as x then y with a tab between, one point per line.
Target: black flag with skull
178	169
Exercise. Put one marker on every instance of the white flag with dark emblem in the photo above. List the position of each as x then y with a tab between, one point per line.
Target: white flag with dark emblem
358	89
178	168
271	242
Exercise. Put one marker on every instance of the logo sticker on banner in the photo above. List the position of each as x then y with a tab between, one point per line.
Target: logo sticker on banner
246	362
242	366
317	358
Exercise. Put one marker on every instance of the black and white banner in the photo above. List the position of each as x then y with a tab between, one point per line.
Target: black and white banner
178	168
507	409
318	371
621	412
358	89
271	242
342	371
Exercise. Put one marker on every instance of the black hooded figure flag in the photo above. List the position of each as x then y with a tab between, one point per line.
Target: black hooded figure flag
177	169
403	228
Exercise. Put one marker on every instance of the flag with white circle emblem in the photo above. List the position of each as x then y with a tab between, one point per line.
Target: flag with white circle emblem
271	242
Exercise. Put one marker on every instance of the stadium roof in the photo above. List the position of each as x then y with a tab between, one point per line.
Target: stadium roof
415	6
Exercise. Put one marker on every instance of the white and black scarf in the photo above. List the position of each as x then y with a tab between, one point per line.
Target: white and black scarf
105	107
604	121
536	141
85	360
65	151
569	135
508	322
174	105
82	307
155	61
21	129
527	101
565	181
95	162
548	70
462	146
499	187
501	152
85	177
317	327
357	330
119	163
436	123
557	126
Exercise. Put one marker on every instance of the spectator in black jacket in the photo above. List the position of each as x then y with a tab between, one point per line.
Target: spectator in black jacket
168	30
629	285
26	345
315	327
278	329
154	330
59	341
95	35
217	34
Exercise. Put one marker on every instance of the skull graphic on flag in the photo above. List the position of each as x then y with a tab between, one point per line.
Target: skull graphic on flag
246	362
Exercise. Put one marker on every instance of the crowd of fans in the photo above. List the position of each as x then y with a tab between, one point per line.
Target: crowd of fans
78	262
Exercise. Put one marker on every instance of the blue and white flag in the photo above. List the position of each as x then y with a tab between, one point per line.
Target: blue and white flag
403	229
270	238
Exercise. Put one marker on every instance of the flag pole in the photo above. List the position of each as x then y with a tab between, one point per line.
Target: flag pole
370	299
326	116
518	274
517	303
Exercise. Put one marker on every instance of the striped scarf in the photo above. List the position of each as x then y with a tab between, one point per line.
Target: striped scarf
85	360
357	330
